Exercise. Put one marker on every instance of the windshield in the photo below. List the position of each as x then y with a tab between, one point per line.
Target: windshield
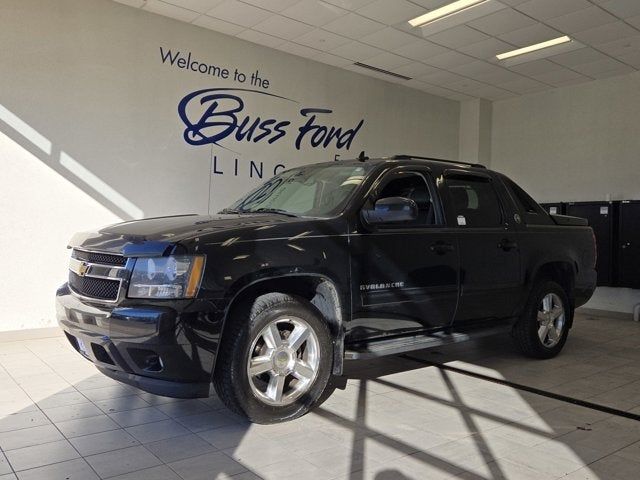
315	191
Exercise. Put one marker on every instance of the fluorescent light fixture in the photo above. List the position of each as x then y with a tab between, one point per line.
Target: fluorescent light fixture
446	11
533	48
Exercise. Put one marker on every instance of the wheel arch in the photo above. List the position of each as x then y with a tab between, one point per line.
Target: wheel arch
317	289
562	272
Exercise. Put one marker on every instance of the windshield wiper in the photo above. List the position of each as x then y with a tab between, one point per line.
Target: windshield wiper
230	210
273	210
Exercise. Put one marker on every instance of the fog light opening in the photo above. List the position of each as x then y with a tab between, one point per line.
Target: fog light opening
153	363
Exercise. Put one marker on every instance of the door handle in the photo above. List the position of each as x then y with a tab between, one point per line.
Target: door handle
507	245
441	248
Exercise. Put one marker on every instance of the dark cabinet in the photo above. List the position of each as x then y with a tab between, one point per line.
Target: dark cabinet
629	244
602	217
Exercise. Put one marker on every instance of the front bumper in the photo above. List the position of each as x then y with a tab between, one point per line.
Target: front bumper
158	349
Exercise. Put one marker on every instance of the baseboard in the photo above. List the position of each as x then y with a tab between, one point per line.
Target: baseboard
594	312
29	334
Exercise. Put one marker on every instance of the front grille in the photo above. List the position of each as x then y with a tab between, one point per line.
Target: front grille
99	288
101	258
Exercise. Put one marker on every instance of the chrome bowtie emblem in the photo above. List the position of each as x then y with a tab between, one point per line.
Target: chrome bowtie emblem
78	267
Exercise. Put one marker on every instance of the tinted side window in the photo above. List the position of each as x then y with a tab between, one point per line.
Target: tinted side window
414	187
475	201
534	214
524	201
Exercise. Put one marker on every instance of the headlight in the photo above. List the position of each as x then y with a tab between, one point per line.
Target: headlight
176	276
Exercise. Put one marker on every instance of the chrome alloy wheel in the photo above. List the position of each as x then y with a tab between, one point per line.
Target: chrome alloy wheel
283	362
551	320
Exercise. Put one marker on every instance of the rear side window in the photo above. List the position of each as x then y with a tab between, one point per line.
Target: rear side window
475	201
534	214
522	198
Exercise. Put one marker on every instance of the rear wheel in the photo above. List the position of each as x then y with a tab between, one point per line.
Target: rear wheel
275	360
542	330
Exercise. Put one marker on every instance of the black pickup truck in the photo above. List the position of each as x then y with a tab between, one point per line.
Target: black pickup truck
343	260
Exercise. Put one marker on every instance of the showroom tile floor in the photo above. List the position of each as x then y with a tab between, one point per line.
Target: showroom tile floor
397	419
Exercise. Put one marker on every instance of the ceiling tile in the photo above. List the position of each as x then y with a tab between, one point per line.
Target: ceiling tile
282	27
172	11
260	38
578	57
635	21
388	61
441	78
622	46
388	39
299	50
631	58
559	77
581	20
524	85
444	92
458	37
466	85
474	68
330	59
356	51
321	40
313	12
348	4
622	8
537	67
218	25
420	50
390	12
415	69
431	4
606	33
353	26
239	13
131	3
573	81
599	67
545	9
624	70
449	60
530	35
504	21
271	5
487	49
496	77
201	6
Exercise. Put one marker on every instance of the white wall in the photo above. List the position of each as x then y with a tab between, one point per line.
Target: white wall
577	143
90	132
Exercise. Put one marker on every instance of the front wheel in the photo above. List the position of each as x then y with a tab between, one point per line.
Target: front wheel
275	360
542	330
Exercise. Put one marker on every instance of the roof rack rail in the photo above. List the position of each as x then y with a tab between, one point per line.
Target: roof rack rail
408	157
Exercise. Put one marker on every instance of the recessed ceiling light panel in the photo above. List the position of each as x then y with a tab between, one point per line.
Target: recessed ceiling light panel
533	48
442	12
455	14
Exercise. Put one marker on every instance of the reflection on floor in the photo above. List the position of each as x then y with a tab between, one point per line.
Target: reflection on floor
397	419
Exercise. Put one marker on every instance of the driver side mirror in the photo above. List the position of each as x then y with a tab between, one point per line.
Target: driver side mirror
391	210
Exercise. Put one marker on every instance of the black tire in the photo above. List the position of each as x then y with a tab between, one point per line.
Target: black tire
231	379
525	331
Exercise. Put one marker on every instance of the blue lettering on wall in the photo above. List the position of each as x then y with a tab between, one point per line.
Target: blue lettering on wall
215	114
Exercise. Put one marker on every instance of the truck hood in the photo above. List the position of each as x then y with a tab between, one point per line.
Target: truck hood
160	235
